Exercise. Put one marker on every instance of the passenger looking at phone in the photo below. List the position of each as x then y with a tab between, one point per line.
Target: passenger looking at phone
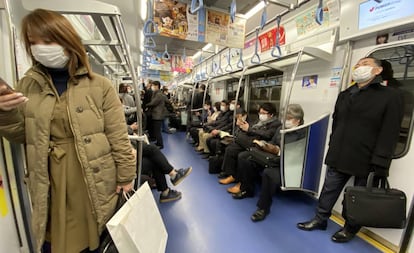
251	163
72	124
365	132
264	129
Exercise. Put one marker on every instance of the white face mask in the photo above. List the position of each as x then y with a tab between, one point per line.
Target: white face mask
362	74
232	107
206	107
51	56
215	109
289	123
153	88
263	117
222	108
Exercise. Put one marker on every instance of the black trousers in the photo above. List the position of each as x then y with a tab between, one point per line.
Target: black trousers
230	159
249	172
156	161
148	124
156	130
270	184
332	188
194	133
214	145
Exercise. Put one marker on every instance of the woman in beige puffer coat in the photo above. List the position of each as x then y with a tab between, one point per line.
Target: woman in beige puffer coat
72	124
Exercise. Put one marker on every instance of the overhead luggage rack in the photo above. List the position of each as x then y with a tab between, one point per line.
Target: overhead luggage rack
101	30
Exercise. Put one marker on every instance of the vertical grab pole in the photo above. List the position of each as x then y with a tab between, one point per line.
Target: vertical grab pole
283	116
237	97
121	32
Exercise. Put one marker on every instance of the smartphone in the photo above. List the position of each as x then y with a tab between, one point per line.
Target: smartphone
9	90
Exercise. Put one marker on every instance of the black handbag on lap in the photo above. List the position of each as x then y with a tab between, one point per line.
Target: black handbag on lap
263	158
244	140
375	207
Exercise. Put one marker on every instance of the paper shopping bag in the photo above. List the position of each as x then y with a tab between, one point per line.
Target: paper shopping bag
138	227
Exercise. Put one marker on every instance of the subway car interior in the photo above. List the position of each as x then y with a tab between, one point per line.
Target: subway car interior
242	53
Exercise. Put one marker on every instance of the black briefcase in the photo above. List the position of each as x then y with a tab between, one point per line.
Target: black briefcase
369	206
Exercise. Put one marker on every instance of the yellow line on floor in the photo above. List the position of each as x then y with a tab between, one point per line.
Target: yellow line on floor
364	237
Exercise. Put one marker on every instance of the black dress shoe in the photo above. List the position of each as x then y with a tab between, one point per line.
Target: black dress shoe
205	156
222	175
242	195
259	215
312	225
343	235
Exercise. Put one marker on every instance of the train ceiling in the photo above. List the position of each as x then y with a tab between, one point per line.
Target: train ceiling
130	10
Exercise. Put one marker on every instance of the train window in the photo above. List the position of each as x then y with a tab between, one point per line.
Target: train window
263	89
399	73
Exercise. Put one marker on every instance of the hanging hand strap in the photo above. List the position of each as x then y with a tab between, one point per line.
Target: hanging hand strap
319	13
233	10
264	16
240	63
256	58
166	56
219	69
149	42
184	56
150	27
276	52
229	68
194	7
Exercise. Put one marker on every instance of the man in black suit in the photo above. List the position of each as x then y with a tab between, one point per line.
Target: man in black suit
365	131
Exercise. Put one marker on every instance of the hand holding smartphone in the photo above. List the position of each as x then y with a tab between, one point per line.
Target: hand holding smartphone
9	89
9	98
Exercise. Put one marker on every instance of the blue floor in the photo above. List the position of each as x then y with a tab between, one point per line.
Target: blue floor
208	220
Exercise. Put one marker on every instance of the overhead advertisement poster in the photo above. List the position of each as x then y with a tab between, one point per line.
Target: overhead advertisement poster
268	39
305	23
175	20
220	31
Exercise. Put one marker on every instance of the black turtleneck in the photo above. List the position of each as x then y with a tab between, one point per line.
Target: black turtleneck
60	79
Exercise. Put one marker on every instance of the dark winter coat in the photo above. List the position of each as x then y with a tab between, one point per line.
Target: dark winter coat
365	130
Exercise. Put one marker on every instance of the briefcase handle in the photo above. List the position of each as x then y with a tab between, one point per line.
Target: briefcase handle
383	182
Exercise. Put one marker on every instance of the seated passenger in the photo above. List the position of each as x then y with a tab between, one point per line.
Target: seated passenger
202	135
249	167
214	142
155	161
264	129
195	128
159	165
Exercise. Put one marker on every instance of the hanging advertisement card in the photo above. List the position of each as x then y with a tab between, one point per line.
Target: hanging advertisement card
175	20
268	39
220	31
